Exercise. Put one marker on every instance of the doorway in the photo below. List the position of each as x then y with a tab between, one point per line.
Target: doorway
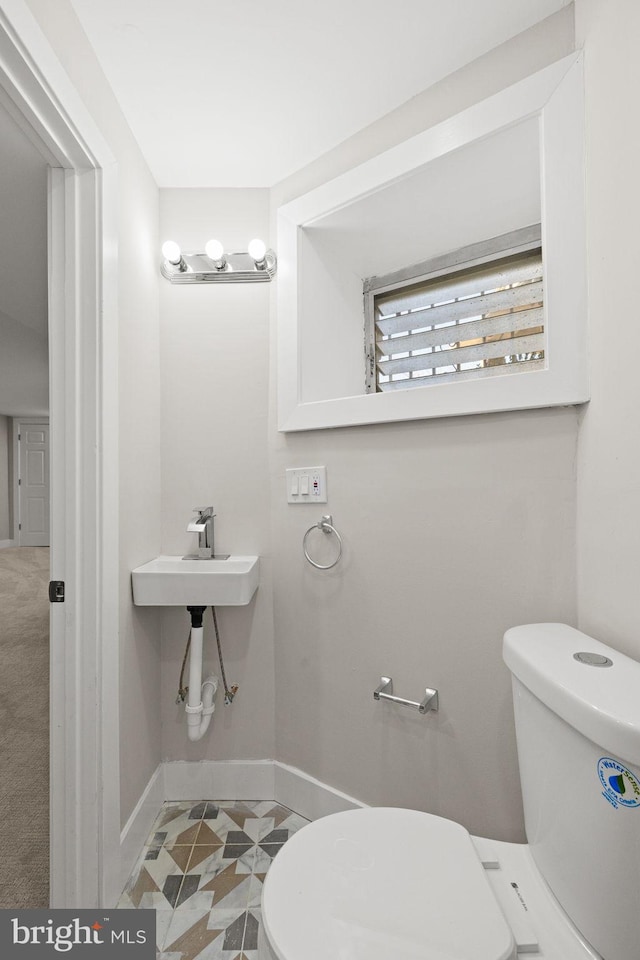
24	521
83	411
31	496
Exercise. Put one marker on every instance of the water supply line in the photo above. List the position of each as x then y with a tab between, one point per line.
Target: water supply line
229	692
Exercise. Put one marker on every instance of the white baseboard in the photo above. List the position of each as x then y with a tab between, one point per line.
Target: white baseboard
136	830
7	543
185	780
307	796
219	780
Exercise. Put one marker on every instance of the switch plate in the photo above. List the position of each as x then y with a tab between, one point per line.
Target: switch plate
311	479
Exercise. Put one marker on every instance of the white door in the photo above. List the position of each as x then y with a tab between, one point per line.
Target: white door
33	484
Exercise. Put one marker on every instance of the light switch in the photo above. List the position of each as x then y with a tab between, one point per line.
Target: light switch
306	484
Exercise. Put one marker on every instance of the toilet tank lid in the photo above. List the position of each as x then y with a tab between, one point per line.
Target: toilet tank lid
601	702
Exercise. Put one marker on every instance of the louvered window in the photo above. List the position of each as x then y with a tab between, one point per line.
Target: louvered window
482	319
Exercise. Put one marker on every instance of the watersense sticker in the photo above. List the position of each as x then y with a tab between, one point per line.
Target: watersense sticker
621	787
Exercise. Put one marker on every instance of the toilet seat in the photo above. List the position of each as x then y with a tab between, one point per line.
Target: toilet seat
381	883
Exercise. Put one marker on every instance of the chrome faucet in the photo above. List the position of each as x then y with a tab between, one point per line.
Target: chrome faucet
202	524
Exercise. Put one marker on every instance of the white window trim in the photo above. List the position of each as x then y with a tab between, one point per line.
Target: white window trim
553	95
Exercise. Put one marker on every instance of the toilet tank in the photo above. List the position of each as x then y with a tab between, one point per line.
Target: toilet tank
578	733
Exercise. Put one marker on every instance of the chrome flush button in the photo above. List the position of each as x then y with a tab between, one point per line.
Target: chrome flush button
593	659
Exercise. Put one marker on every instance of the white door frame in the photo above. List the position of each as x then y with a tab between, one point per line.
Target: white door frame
17	507
83	322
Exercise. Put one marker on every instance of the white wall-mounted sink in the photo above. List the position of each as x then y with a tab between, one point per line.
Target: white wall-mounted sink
174	582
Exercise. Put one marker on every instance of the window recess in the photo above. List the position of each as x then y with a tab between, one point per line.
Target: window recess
473	314
516	158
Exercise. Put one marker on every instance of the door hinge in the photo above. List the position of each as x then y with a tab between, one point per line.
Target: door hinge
56	591
19	526
19	481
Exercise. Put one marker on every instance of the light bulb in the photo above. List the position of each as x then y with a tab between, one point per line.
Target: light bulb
214	250
257	250
171	252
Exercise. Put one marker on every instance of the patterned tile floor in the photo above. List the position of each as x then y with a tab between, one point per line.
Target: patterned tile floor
202	871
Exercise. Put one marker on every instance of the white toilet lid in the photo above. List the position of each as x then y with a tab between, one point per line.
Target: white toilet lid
382	883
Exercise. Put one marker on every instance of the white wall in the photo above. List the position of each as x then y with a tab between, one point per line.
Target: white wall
609	451
23	240
215	375
24	367
24	349
138	387
24	354
453	531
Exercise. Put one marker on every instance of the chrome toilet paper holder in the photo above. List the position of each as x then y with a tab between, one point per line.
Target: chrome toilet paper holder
385	692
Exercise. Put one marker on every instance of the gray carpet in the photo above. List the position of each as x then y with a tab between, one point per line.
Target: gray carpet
24	727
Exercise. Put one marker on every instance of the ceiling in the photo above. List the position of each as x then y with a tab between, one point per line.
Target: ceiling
243	94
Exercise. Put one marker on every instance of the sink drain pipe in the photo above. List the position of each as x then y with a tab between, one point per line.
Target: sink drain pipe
200	705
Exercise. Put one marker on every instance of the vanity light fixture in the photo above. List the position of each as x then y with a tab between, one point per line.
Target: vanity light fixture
214	265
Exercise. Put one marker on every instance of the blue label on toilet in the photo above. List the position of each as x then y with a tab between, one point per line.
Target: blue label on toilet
621	786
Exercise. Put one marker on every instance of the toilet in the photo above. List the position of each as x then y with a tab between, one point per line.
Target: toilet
394	884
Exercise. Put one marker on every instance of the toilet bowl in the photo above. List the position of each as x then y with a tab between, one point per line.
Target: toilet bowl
395	884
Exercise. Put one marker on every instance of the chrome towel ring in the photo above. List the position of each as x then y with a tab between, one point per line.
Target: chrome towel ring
326	525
